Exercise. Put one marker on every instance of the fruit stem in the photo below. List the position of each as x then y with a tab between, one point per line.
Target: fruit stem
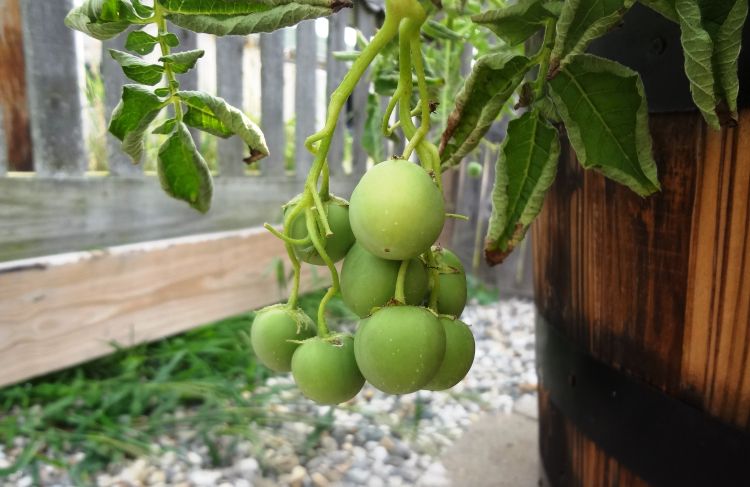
544	52
312	230
400	282
286	238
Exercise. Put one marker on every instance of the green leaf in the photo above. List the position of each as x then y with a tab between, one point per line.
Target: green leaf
171	39
138	107
711	34
182	62
516	23
141	42
582	21
525	170
182	171
604	109
243	17
489	86
664	7
137	69
165	128
104	19
163	92
436	30
215	116
372	138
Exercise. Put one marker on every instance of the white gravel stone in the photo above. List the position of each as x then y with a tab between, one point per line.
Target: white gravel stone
526	405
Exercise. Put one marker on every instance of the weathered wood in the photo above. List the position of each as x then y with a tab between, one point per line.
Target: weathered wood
655	287
229	76
3	148
13	99
62	310
44	216
54	95
365	21
272	100
118	163
305	94
335	71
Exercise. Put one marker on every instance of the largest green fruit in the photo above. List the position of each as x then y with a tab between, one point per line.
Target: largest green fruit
271	332
326	371
396	211
368	281
336	245
399	348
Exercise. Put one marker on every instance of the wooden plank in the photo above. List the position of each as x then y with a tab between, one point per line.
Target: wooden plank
366	23
272	100
54	95
305	94
63	310
229	76
118	163
13	100
45	216
335	71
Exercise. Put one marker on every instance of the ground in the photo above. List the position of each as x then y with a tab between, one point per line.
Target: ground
482	432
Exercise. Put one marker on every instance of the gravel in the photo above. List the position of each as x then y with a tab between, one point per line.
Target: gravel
374	440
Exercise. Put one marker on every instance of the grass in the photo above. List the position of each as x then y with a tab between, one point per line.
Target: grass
118	406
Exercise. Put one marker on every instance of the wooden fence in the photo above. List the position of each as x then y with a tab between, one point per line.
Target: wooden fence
87	259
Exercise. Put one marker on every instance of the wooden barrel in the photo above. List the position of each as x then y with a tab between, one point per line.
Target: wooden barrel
643	333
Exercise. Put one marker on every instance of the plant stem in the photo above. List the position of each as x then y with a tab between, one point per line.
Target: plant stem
172	84
544	52
312	230
400	281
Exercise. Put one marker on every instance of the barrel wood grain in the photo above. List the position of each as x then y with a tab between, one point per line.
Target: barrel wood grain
656	287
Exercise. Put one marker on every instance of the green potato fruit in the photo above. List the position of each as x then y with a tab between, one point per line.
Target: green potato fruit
336	245
459	355
474	169
452	292
396	210
368	281
326	370
399	348
272	328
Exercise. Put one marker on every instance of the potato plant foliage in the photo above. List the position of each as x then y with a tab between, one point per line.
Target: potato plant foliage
407	289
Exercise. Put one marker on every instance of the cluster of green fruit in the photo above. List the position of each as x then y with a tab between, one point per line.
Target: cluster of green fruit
408	293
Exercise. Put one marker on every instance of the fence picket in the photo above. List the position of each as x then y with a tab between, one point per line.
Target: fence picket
54	95
305	94
229	77
365	21
119	163
272	100
335	71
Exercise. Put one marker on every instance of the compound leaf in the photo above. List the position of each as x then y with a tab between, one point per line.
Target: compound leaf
141	42
603	107
138	107
182	171
489	86
243	17
524	171
182	62
215	116
516	23
137	69
582	21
